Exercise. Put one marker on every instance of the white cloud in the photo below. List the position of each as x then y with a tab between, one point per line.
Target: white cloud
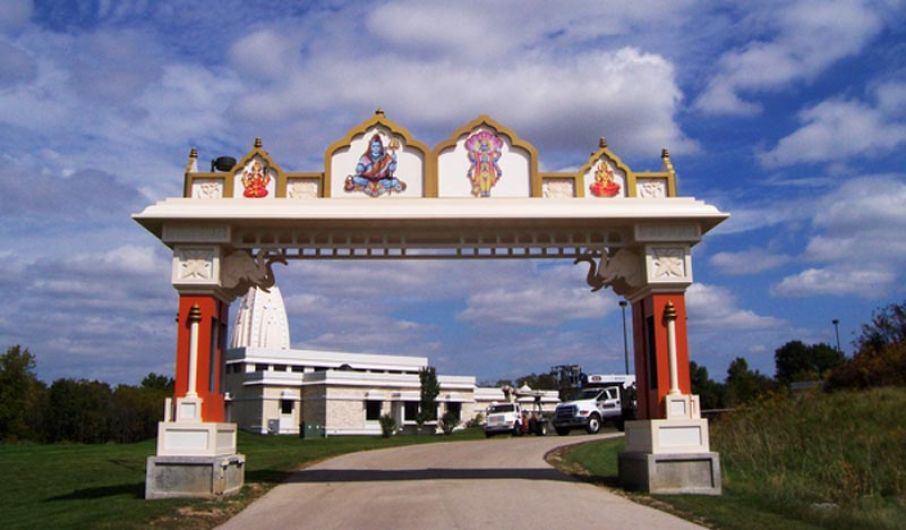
750	261
831	281
857	241
799	41
837	130
714	308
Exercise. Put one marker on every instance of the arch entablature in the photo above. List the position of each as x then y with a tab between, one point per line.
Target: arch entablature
380	159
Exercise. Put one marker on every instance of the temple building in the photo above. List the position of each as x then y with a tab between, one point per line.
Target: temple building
274	389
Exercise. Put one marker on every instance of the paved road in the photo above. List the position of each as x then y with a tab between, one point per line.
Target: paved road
498	483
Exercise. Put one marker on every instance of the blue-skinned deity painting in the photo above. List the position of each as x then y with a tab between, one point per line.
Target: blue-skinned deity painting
374	174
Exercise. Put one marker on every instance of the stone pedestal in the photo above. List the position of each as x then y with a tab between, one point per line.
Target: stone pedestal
194	476
672	455
194	458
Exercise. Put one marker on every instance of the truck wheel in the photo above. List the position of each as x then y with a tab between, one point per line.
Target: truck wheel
594	424
541	429
517	430
562	431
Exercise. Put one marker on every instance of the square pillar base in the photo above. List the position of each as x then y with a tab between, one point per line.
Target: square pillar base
194	476
671	474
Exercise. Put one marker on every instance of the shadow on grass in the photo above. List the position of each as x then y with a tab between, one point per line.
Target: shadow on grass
135	490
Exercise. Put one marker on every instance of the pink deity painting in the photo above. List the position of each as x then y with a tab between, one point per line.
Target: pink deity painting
255	180
484	150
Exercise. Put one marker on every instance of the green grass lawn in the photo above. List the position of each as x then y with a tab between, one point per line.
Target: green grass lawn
834	461
103	486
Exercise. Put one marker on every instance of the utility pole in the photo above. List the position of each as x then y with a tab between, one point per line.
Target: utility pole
836	323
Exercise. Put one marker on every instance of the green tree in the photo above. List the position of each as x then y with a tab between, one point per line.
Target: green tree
538	381
154	381
20	395
710	392
743	384
430	389
880	358
79	411
796	361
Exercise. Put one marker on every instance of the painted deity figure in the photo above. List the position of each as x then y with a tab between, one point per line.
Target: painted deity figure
484	150
255	181
374	172
604	184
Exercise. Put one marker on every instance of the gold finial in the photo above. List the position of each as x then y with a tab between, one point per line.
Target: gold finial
379	111
669	311
665	153
195	314
602	142
193	153
258	141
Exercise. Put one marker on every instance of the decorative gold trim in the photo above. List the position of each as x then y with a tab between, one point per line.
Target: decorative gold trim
429	188
487	121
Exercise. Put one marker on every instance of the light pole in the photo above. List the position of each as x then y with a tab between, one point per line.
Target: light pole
623	304
837	332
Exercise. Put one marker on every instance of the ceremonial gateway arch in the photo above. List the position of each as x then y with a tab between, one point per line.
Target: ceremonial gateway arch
382	194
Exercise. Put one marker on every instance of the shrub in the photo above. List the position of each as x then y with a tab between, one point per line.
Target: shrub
449	421
477	421
388	426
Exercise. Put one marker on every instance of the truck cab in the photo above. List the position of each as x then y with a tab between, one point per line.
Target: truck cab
503	418
590	407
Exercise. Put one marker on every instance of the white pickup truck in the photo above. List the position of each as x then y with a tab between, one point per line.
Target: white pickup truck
588	409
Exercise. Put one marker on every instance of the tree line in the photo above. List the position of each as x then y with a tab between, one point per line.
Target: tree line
75	410
879	360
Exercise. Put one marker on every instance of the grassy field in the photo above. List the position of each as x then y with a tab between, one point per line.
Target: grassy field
816	461
102	486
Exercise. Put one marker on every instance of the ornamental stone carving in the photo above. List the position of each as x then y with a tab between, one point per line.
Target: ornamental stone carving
302	189
195	266
620	270
668	264
240	272
651	189
558	188
207	189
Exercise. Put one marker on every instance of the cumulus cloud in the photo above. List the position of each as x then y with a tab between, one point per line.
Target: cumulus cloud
749	261
836	130
714	308
856	241
792	42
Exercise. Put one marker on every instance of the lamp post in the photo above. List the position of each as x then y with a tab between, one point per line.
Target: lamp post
623	304
836	324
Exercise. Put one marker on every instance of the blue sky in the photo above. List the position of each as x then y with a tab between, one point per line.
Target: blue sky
790	115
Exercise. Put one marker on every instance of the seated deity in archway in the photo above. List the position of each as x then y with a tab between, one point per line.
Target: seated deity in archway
374	173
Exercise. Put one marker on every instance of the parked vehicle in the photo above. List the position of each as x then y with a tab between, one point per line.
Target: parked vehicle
504	418
591	407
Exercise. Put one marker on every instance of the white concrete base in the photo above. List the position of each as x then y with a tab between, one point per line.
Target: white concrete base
195	438
667	436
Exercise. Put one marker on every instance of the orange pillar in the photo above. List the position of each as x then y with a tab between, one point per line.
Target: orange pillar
652	370
211	337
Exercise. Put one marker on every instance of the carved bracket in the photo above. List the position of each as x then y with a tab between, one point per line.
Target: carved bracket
240	272
619	270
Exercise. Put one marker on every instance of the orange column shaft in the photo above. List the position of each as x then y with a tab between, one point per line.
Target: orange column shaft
650	340
211	335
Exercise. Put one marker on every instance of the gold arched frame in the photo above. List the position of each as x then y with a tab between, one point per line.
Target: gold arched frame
429	185
487	121
632	177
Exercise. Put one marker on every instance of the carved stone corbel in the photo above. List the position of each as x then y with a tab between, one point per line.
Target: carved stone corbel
619	269
240	271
